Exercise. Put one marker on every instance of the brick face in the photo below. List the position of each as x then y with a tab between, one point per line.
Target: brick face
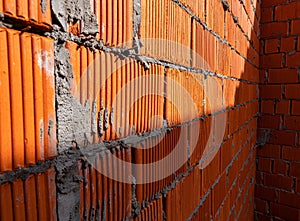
238	63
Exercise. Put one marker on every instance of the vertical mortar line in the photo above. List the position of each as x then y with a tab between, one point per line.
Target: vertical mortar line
137	17
165	96
192	42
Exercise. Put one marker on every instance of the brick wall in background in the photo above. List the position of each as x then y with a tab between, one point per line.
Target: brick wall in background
278	157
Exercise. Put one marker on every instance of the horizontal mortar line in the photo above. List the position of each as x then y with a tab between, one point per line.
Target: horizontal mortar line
141	137
179	65
254	9
203	117
17	23
93	44
169	64
240	27
124	52
24	173
166	189
234	183
41	167
205	26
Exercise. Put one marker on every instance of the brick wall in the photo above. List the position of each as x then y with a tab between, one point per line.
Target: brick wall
198	63
278	157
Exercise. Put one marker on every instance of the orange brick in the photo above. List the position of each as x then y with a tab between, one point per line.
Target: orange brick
271	46
230	29
274	29
216	23
283	75
293	60
287	44
28	13
283	107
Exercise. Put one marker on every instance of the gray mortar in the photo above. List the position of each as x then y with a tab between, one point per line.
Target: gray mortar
66	11
68	188
43	5
73	118
137	16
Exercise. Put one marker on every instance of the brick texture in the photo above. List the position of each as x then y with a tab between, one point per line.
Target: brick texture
280	88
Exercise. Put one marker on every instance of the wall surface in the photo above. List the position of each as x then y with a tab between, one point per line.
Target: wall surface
278	157
142	110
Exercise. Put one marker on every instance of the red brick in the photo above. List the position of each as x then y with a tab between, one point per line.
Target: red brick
292	122
282	137
285	75
295	27
269	3
295	107
298	185
280	167
289	199
269	150
292	91
271	46
283	107
265	193
298	48
259	177
278	181
218	193
267	106
264	165
285	12
293	60
287	44
272	61
267	121
274	29
270	91
261	205
295	170
262	217
290	153
266	15
284	212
